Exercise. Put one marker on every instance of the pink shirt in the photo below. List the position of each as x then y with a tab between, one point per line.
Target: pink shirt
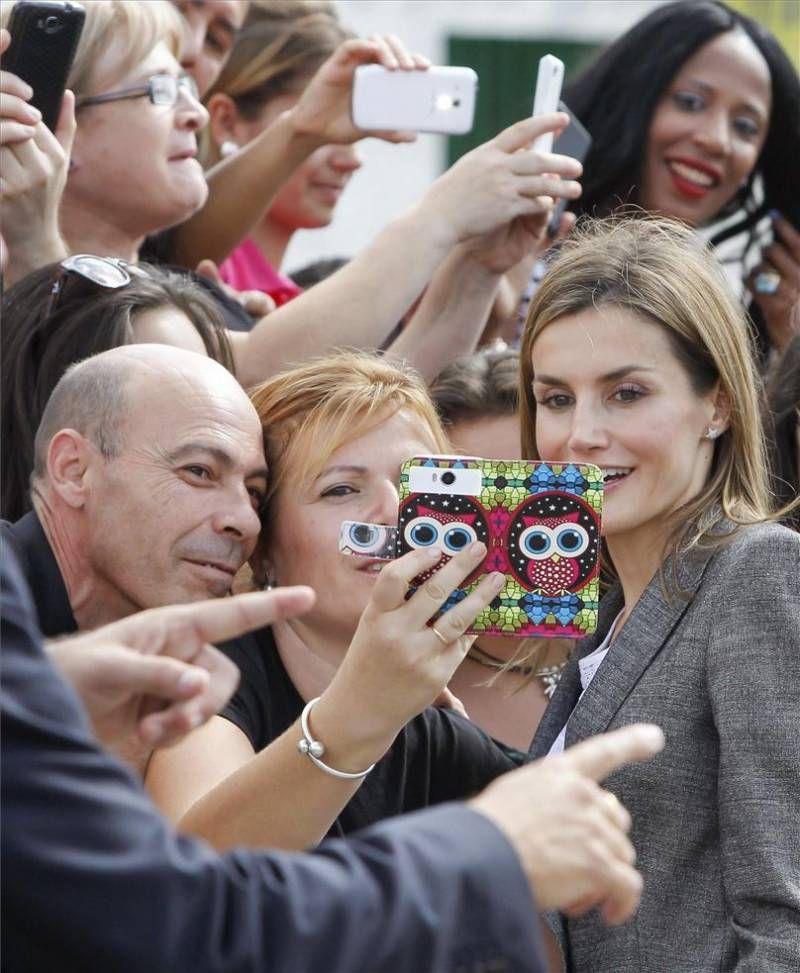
247	270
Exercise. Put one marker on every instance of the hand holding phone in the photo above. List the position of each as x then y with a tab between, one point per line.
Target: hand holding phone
540	523
548	92
44	39
439	99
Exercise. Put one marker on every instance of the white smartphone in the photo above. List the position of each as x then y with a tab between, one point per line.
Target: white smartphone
548	92
441	99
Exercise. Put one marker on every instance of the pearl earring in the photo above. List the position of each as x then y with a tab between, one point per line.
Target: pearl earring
712	433
228	148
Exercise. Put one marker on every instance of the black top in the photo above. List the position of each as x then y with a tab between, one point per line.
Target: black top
438	756
35	557
93	877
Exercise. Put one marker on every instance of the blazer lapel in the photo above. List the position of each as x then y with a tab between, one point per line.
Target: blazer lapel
641	639
568	690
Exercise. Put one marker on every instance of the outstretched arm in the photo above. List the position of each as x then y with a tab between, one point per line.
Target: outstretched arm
453	313
242	187
484	192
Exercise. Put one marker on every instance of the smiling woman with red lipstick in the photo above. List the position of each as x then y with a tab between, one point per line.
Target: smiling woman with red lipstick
636	357
695	114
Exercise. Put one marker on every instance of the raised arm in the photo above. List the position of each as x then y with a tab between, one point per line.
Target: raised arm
453	313
242	187
486	190
214	786
33	163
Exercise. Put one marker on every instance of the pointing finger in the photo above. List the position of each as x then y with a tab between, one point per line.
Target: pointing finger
598	757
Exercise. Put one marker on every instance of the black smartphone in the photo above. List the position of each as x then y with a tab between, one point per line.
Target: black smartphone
44	38
574	141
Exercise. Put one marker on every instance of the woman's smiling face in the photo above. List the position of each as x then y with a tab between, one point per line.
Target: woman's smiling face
610	390
707	131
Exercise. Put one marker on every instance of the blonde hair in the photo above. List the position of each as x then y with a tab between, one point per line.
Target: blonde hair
661	271
140	26
309	412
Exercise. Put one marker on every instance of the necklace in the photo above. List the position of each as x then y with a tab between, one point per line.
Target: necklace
549	675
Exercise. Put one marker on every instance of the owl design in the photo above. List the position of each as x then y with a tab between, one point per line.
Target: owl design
447	522
552	543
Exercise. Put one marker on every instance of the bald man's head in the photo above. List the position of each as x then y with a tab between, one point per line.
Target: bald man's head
95	397
158	451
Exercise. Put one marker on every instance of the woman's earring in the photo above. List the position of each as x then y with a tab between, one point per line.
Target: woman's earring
712	433
228	148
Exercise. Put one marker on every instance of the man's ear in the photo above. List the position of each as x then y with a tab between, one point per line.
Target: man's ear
69	457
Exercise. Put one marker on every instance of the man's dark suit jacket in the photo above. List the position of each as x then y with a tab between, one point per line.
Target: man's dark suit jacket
27	541
93	878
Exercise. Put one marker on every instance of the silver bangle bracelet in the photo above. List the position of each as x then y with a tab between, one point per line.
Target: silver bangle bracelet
314	749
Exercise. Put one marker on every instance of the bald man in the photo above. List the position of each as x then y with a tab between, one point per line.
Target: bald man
149	474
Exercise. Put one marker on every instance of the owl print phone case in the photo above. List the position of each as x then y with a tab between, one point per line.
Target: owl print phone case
540	523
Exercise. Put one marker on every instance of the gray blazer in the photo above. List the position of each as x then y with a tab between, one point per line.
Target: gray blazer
716	816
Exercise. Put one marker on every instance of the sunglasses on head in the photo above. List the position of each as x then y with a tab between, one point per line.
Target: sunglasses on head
83	274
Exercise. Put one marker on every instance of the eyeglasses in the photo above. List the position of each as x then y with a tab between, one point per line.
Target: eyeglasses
83	274
161	89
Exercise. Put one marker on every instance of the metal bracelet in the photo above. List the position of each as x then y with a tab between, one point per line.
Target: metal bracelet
314	749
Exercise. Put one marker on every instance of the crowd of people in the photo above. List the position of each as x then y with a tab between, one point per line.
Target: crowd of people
227	745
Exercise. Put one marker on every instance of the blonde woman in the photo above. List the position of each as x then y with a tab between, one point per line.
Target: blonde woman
336	431
636	357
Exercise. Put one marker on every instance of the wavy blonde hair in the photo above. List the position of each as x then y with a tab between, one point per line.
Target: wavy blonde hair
661	271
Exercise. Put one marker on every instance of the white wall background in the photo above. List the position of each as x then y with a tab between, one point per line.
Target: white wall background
393	177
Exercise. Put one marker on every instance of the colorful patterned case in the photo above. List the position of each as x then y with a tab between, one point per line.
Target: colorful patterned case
541	525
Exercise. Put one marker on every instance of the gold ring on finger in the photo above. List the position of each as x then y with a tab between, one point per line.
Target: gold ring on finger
438	634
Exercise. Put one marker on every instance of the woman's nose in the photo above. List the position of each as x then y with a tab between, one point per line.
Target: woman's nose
713	133
345	158
587	433
189	111
387	501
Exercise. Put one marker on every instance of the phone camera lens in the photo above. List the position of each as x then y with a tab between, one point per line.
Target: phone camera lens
448	478
51	25
364	534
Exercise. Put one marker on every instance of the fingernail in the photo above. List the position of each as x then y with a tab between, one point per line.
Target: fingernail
498	580
34	113
433	554
477	548
191	680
